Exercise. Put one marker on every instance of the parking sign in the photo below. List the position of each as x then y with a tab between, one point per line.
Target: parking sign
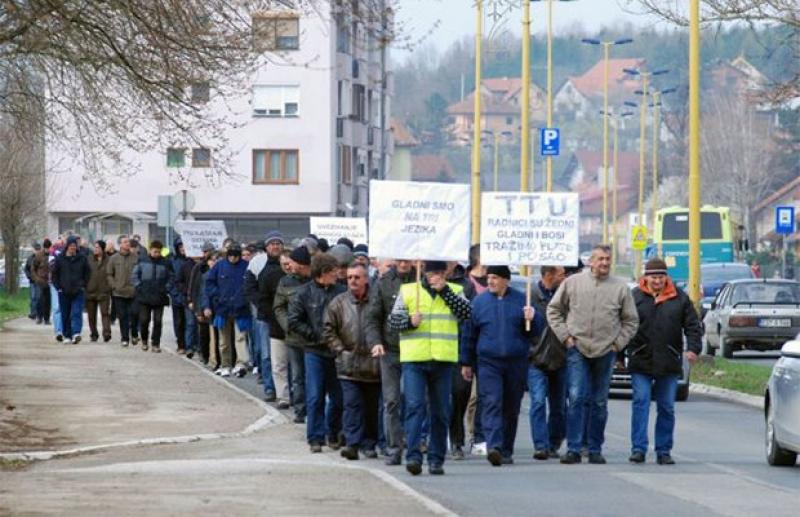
550	139
784	220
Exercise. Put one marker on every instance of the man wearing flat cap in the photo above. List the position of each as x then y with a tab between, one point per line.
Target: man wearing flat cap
655	353
499	334
427	315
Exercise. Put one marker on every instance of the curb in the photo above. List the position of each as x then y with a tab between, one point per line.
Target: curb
271	417
726	395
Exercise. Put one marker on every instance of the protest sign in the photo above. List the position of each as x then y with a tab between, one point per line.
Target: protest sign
196	233
334	228
417	220
529	228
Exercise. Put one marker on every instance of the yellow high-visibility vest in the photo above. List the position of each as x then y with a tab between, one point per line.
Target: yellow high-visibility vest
436	338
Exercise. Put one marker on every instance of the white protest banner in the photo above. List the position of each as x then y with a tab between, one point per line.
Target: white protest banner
334	228
529	228
415	220
196	233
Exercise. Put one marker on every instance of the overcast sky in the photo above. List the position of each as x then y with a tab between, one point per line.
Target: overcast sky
457	17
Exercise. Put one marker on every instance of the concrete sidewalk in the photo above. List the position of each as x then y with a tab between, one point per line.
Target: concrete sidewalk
56	396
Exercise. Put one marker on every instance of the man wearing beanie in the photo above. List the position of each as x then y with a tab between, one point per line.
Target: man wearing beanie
152	279
98	293
666	314
427	316
594	315
344	256
69	276
177	295
300	264
497	340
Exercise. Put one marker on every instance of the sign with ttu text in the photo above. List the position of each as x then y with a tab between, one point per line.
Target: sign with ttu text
195	234
334	228
416	220
529	229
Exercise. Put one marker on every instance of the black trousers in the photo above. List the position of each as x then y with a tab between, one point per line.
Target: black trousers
204	339
145	312
124	310
43	303
179	325
461	392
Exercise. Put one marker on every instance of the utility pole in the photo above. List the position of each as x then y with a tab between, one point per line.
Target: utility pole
476	129
694	151
526	97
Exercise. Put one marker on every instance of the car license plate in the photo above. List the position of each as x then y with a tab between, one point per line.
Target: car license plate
772	323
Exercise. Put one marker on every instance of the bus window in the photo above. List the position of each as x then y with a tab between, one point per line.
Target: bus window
676	226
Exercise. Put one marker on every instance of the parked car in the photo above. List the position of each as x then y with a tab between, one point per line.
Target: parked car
752	315
782	407
714	276
621	378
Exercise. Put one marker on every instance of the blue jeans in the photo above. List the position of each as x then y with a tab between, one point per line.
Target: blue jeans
361	410
588	380
34	293
321	381
297	375
501	388
71	313
665	389
431	380
261	357
55	308
547	390
191	330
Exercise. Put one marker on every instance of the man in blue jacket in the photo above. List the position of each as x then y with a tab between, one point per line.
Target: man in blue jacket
225	292
496	333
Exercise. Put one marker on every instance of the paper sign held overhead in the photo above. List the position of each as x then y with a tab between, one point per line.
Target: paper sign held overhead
334	228
529	229
417	220
196	233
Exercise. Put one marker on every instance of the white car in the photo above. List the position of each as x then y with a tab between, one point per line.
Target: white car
782	407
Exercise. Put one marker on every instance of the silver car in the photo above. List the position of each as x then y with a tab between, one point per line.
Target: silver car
782	407
752	315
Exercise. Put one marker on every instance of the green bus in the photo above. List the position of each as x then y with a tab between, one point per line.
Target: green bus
717	238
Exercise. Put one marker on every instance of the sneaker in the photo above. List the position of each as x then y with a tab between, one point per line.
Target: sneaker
395	458
595	458
414	468
240	371
94	339
436	470
283	405
124	344
299	419
458	453
315	448
224	372
59	338
144	346
106	339
189	355
270	396
134	341
494	457
351	453
571	458
38	321
541	455
553	454
155	349
334	443
479	449
370	454
255	370
665	459
507	460
76	340
218	371
636	457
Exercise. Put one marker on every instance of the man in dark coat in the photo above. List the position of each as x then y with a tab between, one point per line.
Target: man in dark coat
70	276
177	293
152	280
666	315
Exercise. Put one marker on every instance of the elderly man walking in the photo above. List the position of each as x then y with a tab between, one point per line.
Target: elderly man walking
655	354
594	315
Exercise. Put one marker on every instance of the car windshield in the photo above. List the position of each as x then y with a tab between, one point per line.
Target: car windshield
725	274
766	293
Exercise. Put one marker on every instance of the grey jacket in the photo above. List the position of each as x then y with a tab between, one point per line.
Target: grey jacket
599	313
119	270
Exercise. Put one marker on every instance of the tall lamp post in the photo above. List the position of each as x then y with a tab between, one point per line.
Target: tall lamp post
694	151
656	105
645	76
615	186
476	129
549	162
606	51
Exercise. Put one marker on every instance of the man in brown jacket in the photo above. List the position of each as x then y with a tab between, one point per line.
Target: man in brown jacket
98	293
594	315
357	369
119	270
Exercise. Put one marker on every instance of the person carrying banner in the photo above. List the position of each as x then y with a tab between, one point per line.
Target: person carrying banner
497	338
427	316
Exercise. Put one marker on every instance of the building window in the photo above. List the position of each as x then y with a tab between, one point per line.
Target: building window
342	33
200	92
276	101
345	164
276	166
201	157
509	121
358	106
276	33
176	157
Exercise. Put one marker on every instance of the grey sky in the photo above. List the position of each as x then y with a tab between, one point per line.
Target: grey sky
457	17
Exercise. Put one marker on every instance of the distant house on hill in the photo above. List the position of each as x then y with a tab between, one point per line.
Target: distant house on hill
432	167
404	143
580	95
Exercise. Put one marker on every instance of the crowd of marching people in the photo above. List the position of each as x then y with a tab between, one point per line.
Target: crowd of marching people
408	360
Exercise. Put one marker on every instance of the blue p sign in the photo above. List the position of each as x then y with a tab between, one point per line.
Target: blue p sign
550	141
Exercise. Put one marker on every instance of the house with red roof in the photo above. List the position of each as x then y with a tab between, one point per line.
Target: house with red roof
580	95
432	167
501	102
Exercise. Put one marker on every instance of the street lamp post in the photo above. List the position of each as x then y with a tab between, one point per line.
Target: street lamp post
476	129
615	186
606	50
526	97
656	105
694	151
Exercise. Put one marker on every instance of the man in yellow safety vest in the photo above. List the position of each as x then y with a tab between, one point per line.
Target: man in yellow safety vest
427	315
